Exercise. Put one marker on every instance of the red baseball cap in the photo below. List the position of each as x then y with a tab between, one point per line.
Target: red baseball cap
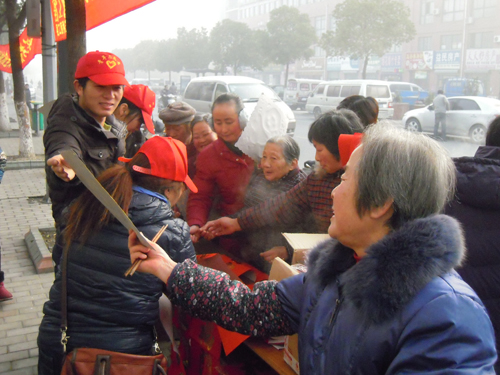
347	144
144	98
168	159
103	68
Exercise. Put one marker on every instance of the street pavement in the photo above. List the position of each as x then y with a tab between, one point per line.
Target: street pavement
21	316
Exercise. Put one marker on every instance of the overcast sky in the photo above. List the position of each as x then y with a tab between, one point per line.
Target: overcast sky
157	20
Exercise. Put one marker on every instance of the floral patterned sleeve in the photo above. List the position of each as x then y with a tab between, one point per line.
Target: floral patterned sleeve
211	295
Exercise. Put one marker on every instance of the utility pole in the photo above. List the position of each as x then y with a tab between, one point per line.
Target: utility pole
464	36
48	54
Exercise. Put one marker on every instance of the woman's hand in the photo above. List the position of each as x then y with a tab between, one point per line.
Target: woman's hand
220	227
155	262
275	252
194	231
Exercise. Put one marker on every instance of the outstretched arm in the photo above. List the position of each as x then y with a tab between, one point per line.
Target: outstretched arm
211	295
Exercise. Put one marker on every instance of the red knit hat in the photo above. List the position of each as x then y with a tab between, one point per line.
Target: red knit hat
144	98
103	68
168	159
347	144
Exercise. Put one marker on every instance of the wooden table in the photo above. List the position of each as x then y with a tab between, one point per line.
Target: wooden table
272	356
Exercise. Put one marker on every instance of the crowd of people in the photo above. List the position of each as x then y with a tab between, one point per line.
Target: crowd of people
392	291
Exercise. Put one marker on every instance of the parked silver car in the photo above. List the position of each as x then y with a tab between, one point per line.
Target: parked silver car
469	116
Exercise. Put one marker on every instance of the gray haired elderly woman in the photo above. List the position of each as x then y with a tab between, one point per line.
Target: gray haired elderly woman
381	296
278	172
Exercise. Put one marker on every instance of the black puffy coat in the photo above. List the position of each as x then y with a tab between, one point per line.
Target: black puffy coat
477	207
107	310
70	127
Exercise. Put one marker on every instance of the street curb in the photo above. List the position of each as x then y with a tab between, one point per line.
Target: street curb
25	164
39	253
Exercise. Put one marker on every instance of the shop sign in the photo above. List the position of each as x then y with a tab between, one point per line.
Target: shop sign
391	62
447	59
482	59
421	74
422	60
337	63
314	63
373	64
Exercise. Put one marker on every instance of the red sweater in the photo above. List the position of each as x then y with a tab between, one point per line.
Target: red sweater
222	178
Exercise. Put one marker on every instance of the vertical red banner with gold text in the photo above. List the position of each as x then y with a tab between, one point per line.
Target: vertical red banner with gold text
29	47
98	12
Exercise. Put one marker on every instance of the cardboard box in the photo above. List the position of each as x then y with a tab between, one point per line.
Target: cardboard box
292	352
281	270
301	243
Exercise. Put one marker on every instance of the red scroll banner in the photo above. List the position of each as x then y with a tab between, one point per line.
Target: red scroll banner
29	47
98	12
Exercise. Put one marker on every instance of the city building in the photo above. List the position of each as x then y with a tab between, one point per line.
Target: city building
455	38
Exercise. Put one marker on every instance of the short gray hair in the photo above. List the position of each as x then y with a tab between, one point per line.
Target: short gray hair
290	147
410	168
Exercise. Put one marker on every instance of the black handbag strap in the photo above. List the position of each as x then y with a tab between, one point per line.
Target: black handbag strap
64	298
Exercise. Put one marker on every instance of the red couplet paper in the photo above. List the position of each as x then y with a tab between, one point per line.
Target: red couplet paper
97	11
29	47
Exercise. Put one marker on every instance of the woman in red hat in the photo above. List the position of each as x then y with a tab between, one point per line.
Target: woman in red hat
135	109
107	310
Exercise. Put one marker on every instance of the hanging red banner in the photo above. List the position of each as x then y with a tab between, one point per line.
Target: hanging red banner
97	11
29	47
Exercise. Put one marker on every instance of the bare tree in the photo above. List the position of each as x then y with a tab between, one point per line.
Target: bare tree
76	39
4	110
16	19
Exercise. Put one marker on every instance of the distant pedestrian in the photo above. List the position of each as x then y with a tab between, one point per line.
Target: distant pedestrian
441	105
4	293
27	96
173	89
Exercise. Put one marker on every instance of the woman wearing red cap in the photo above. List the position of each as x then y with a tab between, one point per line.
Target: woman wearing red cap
135	109
106	310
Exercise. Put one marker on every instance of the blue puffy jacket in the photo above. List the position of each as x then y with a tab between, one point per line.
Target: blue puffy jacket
401	310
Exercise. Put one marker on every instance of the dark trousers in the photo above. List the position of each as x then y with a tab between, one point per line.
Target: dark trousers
440	118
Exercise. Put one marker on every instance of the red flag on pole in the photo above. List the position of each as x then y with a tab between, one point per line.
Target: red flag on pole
29	47
98	12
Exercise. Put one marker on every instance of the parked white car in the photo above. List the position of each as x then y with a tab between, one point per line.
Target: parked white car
328	95
469	116
202	91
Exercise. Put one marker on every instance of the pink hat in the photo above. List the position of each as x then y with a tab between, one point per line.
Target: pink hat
145	99
347	144
168	159
103	68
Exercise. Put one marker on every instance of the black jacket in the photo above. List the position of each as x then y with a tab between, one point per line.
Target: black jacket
107	310
70	127
477	207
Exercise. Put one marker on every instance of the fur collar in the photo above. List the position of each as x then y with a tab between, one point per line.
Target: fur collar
395	269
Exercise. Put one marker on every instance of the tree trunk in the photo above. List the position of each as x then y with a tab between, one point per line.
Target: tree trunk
76	38
4	110
26	148
286	75
365	65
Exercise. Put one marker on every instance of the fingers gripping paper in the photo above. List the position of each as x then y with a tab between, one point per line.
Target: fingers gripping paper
266	121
